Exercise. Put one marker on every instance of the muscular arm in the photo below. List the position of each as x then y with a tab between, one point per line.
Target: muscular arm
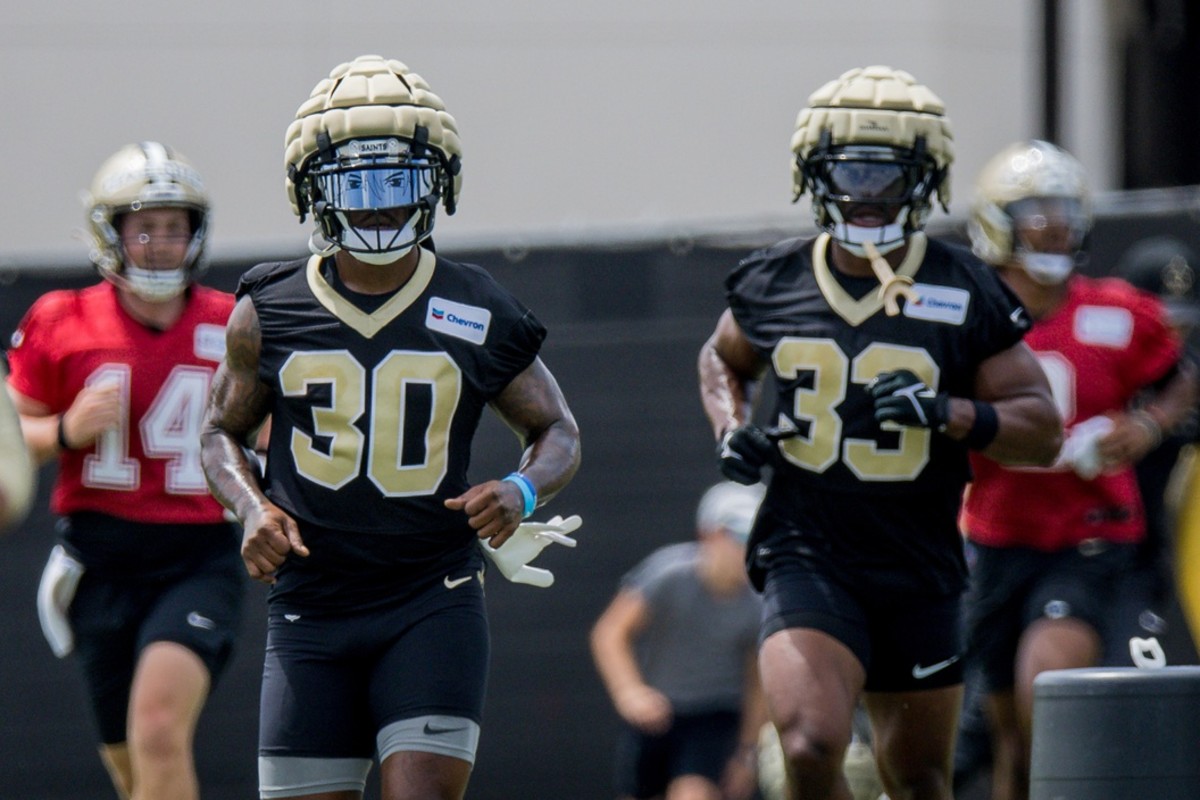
1030	428
729	373
533	406
237	406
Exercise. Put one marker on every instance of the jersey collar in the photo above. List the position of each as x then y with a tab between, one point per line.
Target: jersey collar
858	311
370	324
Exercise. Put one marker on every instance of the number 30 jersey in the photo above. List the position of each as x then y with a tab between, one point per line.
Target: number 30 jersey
374	411
147	469
858	494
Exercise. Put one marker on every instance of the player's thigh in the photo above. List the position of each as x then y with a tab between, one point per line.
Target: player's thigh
915	732
201	611
427	686
812	658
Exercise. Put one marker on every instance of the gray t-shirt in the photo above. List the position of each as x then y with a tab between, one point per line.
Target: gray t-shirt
696	647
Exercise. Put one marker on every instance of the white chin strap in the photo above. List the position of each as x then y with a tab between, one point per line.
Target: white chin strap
1048	269
886	238
154	285
407	236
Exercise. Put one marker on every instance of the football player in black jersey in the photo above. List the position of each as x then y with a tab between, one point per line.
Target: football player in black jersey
881	390
374	359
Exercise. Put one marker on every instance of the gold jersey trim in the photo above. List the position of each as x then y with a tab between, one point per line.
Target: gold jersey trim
370	324
858	311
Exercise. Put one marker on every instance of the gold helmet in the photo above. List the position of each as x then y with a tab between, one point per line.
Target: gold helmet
136	177
372	138
872	137
1032	182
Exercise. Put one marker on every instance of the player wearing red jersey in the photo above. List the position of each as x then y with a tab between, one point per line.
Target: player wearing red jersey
145	584
1050	543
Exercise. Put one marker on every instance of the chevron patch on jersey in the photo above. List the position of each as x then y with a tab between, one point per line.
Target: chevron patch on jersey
458	319
939	304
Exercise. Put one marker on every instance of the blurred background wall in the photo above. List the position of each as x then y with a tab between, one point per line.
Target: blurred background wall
619	159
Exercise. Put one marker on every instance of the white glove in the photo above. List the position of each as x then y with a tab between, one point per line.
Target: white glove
55	593
1080	450
530	538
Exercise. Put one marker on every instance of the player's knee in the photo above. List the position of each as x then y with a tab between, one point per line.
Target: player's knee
813	751
159	734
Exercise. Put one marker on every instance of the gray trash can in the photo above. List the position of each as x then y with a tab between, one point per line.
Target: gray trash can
1116	734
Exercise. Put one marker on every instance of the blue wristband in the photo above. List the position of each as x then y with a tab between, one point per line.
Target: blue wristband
527	491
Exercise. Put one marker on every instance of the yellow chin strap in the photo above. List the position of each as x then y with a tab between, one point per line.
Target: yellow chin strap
893	286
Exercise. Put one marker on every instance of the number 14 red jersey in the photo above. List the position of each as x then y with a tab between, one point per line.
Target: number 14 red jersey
148	469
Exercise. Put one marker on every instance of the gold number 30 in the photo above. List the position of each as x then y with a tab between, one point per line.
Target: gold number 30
390	381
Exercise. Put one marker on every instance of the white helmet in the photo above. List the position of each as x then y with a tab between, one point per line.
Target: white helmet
136	177
372	137
872	137
1015	184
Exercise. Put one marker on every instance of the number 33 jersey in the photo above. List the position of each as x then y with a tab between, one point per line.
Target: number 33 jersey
375	409
148	468
858	493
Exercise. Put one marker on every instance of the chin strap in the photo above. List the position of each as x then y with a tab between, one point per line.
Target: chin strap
894	285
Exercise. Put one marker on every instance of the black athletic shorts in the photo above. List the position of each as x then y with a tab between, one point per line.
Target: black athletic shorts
332	681
696	744
905	642
116	615
1012	587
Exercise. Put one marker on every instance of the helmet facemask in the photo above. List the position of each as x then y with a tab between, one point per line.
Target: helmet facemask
887	186
376	198
1048	236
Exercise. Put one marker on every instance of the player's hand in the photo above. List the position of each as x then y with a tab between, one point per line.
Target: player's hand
902	398
1133	435
269	536
95	410
743	452
529	540
645	708
494	509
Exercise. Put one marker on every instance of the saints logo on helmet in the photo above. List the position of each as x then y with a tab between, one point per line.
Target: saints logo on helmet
872	146
371	154
143	176
1030	184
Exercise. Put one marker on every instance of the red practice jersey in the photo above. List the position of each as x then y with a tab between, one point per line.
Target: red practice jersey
1105	343
148	469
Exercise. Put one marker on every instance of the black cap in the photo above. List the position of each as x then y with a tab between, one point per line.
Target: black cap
1165	266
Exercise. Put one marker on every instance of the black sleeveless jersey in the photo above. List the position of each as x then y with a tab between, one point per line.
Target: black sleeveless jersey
862	497
374	412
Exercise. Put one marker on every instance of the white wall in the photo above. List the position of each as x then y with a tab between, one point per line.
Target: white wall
578	118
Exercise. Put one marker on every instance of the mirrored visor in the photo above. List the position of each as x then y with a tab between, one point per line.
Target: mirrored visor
378	187
867	180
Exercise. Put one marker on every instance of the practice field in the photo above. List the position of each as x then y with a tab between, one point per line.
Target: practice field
626	323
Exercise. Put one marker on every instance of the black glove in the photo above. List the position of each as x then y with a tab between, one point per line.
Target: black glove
903	398
743	452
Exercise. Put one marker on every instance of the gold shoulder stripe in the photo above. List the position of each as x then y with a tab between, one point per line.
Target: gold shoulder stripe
858	311
370	324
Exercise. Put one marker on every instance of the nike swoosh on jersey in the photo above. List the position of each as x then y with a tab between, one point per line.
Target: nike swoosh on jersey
454	584
920	673
430	730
